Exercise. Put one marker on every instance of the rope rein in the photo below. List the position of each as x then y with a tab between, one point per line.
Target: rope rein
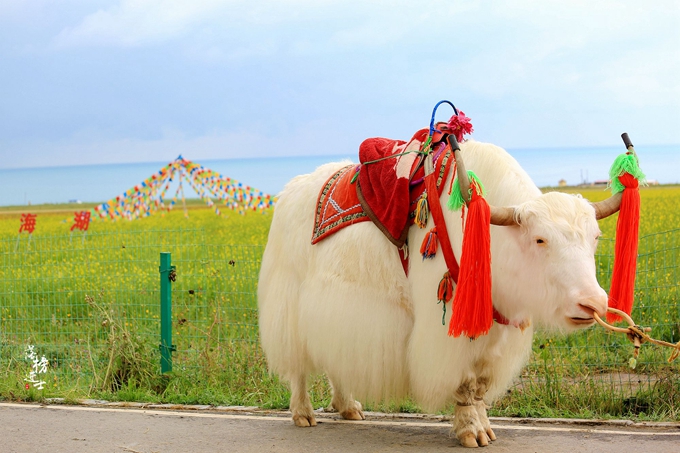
637	334
392	156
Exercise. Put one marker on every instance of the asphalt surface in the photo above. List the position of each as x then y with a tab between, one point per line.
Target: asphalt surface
74	429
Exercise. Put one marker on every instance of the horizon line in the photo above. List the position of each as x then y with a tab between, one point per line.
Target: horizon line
509	150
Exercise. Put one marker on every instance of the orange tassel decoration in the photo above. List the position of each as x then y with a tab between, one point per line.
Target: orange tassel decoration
622	289
428	249
445	293
445	290
472	305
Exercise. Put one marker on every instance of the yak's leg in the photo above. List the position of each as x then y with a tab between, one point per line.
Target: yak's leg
345	404
466	424
480	406
300	406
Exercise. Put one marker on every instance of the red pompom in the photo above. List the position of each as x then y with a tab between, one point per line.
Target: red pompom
460	125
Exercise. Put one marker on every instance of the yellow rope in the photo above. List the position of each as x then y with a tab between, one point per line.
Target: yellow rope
637	334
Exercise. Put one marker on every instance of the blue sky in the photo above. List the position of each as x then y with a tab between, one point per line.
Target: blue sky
88	81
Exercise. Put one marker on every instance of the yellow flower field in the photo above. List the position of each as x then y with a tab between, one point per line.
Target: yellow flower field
79	297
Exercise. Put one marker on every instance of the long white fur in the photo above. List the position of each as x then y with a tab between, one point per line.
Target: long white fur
344	306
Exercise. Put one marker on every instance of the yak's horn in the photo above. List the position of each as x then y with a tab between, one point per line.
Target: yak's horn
461	172
503	216
499	215
607	207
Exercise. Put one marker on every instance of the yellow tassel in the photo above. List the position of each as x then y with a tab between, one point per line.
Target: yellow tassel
422	211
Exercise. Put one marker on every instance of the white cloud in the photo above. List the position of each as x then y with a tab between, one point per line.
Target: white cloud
138	22
551	65
343	23
552	25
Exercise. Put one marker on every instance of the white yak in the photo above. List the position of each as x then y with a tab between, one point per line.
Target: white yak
345	307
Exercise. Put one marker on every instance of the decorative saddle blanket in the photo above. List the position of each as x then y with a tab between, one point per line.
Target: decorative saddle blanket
389	183
338	205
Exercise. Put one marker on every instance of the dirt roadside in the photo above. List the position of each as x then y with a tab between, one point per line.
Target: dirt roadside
62	428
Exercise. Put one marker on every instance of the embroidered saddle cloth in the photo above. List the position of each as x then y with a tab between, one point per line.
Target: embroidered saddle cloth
386	190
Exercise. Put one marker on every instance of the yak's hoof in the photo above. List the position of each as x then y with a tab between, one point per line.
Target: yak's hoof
481	407
354	413
304	422
482	439
469	440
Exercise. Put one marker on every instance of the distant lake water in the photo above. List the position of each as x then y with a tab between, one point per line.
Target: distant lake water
98	183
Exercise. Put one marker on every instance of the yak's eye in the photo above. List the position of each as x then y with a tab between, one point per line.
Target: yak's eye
540	241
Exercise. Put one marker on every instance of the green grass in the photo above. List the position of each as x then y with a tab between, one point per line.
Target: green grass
61	294
90	305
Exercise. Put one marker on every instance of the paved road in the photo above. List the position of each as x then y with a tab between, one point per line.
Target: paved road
28	428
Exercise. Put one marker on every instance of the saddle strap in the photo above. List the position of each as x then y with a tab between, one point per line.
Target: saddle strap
438	218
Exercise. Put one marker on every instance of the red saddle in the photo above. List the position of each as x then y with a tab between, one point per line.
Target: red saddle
386	190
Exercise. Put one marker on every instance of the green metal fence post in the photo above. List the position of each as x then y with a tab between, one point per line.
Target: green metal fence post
167	277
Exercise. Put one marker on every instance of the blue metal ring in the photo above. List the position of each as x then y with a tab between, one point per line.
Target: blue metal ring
434	111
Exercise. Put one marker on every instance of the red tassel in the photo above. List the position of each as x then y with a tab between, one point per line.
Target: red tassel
472	305
622	289
445	293
428	249
445	290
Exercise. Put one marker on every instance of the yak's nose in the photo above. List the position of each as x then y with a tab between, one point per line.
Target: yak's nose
595	304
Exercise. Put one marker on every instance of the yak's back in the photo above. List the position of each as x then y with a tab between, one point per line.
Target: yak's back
505	181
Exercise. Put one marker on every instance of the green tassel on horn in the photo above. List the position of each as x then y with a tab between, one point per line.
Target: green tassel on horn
456	201
624	163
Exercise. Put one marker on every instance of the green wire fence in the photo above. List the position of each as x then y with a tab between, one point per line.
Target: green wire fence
64	296
91	306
